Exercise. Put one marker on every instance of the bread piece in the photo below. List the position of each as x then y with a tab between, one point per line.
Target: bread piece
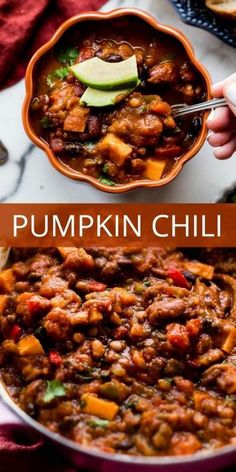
226	8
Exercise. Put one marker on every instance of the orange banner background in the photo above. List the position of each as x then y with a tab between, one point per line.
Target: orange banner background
52	219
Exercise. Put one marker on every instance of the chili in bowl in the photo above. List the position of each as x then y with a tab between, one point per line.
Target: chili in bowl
99	98
123	352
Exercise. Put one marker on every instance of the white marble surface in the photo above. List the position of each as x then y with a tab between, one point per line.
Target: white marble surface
28	176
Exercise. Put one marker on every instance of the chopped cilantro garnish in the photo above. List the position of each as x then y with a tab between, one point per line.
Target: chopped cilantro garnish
90	145
46	123
55	389
67	55
61	73
147	283
131	404
98	423
105	168
170	381
106	181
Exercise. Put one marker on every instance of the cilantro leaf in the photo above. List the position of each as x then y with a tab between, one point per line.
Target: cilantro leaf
106	181
98	423
147	283
105	168
46	123
55	389
61	73
67	55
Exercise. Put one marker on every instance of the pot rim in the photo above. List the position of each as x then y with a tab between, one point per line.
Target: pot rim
196	458
79	176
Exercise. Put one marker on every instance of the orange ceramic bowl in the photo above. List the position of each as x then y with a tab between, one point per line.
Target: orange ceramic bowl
30	88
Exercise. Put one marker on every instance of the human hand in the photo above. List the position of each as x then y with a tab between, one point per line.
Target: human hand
222	121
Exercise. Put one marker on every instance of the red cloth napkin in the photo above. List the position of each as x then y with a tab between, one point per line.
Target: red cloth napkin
24	450
26	24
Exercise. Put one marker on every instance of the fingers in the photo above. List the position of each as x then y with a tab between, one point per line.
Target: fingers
230	94
221	119
217	89
226	151
220	139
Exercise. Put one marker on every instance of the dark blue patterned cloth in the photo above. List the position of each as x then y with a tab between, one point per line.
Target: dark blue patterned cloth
194	12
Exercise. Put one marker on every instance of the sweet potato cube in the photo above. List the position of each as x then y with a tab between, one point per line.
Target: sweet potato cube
3	303
154	169
115	149
76	119
96	406
7	280
125	298
159	107
64	251
30	346
203	270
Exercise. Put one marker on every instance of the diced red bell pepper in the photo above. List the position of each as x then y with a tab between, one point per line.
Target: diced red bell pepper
55	358
178	278
15	332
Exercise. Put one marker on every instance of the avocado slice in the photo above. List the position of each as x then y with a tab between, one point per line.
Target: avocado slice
104	98
102	75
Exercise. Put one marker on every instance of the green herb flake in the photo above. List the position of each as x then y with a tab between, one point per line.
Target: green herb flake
55	389
105	168
131	404
90	145
82	404
62	72
170	381
147	283
98	423
67	56
46	123
106	181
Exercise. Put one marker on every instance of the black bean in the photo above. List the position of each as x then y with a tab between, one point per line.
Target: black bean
3	154
68	423
72	148
195	125
125	444
189	276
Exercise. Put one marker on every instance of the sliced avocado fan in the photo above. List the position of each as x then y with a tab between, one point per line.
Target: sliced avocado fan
102	75
104	98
